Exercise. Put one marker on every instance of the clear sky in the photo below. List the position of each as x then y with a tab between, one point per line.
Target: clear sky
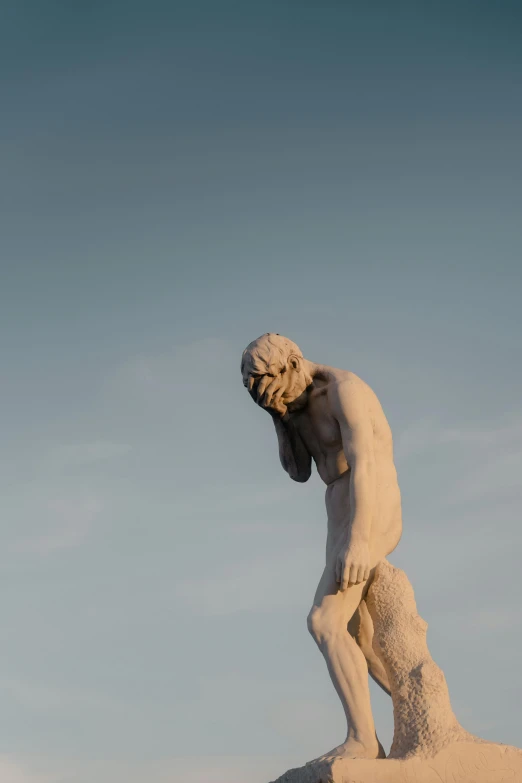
178	178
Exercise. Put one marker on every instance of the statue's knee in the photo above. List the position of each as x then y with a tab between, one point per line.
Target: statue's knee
321	625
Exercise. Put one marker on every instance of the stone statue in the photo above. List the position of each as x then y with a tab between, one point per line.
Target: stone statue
363	617
334	418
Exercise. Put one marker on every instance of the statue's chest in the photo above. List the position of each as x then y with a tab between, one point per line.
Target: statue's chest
318	429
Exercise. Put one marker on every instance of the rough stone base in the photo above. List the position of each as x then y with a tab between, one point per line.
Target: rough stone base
461	762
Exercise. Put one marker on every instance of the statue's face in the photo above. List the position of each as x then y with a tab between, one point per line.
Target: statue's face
291	380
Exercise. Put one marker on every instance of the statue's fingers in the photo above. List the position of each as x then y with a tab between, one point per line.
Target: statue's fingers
250	383
271	388
344	574
366	573
360	575
277	398
263	383
352	579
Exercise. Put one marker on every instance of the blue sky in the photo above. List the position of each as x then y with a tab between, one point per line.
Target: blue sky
179	178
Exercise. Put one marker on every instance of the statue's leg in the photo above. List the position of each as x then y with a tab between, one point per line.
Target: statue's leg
327	622
361	628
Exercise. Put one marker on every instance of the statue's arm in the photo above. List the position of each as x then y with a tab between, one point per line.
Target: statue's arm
350	407
293	454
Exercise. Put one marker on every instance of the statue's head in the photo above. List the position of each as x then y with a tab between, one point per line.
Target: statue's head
273	355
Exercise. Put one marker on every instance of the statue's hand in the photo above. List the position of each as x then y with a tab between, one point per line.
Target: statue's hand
269	394
353	564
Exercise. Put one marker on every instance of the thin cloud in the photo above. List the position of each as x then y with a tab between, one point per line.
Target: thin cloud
274	583
426	434
63	456
306	721
73	515
37	697
488	465
180	769
186	367
13	770
484	621
58	510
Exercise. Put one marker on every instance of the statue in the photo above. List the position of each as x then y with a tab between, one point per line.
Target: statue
363	618
334	418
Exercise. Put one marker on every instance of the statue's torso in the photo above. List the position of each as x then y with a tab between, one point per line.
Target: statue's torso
321	435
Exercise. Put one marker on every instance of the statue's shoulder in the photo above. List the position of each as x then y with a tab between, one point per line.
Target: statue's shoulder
343	380
343	386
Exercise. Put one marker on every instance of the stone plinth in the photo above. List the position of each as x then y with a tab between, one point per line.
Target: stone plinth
460	762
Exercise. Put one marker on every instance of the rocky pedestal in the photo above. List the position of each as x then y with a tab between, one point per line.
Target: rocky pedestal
429	744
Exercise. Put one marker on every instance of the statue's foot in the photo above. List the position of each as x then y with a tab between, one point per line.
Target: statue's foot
353	749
